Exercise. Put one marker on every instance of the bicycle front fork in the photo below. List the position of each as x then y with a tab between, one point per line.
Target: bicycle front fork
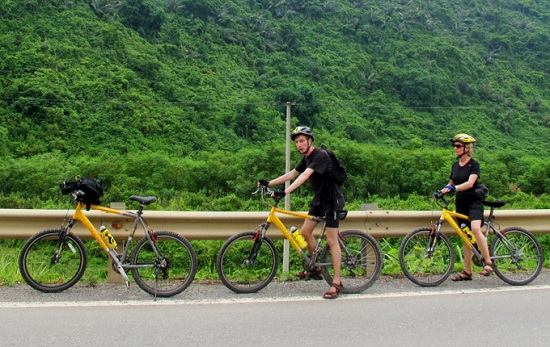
432	241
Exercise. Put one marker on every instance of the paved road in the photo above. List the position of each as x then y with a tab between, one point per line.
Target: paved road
485	311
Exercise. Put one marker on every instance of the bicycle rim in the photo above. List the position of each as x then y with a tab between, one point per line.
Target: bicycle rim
518	257
238	271
171	274
361	262
38	267
418	265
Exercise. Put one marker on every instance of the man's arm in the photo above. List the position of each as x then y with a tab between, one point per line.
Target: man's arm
304	176
282	179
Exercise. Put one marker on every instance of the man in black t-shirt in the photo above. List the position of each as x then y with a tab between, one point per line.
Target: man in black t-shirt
328	200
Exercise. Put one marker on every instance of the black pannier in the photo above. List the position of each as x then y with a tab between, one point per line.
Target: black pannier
91	187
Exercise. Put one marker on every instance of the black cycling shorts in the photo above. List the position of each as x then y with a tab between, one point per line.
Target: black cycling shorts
333	217
473	210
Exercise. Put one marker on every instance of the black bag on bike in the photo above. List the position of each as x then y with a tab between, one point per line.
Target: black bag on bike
93	190
67	187
482	191
91	187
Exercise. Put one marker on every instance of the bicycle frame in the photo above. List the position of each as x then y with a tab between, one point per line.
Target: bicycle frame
274	219
80	216
449	216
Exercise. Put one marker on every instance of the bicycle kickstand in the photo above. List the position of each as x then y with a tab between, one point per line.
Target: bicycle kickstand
156	281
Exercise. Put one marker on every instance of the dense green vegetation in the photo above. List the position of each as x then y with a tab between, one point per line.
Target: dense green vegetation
186	99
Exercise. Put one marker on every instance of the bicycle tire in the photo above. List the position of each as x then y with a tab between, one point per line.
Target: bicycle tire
180	269
237	273
361	267
37	266
520	265
426	271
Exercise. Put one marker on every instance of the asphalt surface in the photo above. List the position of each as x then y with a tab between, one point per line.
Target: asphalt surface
212	291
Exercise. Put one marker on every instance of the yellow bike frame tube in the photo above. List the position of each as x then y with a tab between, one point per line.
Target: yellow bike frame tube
105	209
273	218
448	216
81	217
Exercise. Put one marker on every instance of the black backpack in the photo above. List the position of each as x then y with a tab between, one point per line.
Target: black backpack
338	173
91	187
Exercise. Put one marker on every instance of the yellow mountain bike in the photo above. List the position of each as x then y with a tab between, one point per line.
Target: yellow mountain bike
162	263
247	262
427	257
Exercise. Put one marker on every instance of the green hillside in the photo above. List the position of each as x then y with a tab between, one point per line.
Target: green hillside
186	99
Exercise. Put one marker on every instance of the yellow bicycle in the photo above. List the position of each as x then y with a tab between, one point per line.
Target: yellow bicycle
247	262
162	263
427	257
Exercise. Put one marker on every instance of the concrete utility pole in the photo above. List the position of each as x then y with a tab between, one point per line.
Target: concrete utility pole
286	245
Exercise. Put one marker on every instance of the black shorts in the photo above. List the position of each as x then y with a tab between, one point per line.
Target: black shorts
333	217
474	211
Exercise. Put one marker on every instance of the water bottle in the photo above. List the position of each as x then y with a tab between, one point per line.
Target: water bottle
107	237
468	233
298	237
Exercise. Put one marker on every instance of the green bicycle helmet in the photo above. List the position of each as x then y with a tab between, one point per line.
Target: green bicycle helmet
302	131
463	138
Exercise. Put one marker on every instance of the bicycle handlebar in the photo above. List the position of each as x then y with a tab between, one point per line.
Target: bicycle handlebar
77	193
265	190
440	196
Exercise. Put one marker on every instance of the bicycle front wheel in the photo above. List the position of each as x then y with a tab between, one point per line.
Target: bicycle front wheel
425	267
518	257
247	264
50	265
169	273
361	261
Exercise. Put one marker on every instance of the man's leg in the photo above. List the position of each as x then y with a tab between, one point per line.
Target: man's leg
336	253
307	233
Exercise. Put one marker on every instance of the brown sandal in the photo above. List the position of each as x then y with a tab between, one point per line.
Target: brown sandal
463	276
333	294
487	272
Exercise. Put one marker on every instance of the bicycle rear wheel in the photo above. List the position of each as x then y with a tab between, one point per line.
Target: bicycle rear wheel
247	264
518	257
169	274
361	261
425	268
49	265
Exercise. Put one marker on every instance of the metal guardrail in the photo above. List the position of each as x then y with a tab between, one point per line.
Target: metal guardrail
23	223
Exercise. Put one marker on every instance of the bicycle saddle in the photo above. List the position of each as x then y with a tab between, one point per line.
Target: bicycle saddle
144	200
494	203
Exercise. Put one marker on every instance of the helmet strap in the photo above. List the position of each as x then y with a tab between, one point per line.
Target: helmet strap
463	152
309	144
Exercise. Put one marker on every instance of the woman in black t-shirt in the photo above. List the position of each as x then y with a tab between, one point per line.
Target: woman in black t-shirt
464	180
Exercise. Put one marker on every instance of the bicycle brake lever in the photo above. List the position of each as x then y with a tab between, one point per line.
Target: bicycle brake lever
437	195
263	189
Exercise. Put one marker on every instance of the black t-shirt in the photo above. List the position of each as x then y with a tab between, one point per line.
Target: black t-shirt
461	174
327	195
